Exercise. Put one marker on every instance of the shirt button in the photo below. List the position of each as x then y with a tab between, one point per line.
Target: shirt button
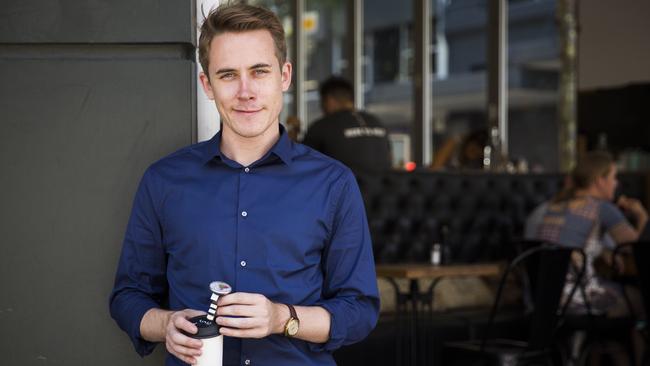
244	213
242	263
247	170
247	362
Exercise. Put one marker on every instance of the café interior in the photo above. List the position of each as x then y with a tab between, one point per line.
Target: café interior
488	106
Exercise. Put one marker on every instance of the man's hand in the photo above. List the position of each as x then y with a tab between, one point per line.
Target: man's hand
246	315
633	206
177	343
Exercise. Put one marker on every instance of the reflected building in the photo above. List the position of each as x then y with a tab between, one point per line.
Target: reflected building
459	71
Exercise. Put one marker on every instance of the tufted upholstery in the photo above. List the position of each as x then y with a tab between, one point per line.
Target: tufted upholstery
482	214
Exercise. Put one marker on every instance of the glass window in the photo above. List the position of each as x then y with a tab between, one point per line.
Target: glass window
533	78
388	69
327	41
459	40
459	90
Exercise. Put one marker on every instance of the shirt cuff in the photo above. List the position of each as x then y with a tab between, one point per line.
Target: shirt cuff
337	335
142	346
348	323
129	318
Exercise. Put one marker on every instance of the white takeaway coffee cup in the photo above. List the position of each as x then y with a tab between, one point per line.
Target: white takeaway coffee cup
208	333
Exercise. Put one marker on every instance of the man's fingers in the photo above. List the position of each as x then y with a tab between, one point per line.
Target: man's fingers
180	345
236	310
185	341
239	323
183	353
181	322
243	298
186	351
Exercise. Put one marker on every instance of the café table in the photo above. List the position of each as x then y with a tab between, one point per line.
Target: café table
418	352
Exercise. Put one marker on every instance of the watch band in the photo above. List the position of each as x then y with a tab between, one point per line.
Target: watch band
292	311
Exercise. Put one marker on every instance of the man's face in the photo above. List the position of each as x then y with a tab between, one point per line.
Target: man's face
246	82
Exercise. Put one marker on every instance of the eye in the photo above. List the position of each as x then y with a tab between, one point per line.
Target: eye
227	76
260	72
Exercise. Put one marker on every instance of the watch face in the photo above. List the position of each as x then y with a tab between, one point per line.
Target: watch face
292	326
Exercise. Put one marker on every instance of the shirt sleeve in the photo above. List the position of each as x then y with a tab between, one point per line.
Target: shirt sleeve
610	216
350	292
140	281
533	221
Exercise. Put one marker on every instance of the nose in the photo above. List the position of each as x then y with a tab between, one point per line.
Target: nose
246	90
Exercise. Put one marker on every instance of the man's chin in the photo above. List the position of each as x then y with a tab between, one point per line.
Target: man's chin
251	132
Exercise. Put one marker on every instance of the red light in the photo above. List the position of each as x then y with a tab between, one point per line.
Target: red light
409	166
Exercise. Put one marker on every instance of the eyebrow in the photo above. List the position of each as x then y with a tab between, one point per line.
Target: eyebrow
256	66
259	66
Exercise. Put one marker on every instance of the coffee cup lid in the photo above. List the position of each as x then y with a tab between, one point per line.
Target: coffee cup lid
206	328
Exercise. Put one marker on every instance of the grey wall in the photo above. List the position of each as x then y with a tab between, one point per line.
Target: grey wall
613	47
91	92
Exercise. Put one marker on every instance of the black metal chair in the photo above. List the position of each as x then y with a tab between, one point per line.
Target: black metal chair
600	329
544	269
637	318
640	252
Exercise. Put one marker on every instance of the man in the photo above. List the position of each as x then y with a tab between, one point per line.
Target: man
284	225
353	137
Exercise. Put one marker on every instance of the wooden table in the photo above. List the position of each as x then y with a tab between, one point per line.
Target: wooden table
420	301
413	271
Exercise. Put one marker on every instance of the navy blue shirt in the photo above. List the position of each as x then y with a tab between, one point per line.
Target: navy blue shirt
290	226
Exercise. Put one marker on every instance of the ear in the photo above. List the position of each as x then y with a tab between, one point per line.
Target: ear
601	182
205	83
327	104
286	75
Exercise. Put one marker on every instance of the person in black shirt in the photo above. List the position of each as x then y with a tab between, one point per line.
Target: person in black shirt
356	138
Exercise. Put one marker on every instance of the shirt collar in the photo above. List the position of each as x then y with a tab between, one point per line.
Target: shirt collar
283	148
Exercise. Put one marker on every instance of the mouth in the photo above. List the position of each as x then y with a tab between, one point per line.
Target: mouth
247	111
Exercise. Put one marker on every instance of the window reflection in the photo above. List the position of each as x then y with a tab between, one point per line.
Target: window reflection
533	72
327	40
388	70
459	40
459	90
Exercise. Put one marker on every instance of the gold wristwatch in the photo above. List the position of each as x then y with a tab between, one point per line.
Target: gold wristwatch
293	324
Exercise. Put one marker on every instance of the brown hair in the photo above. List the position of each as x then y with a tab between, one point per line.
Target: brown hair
592	166
240	18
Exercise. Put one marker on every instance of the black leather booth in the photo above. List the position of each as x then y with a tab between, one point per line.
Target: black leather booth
478	216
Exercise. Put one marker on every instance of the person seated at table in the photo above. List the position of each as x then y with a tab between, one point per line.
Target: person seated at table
534	220
579	215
